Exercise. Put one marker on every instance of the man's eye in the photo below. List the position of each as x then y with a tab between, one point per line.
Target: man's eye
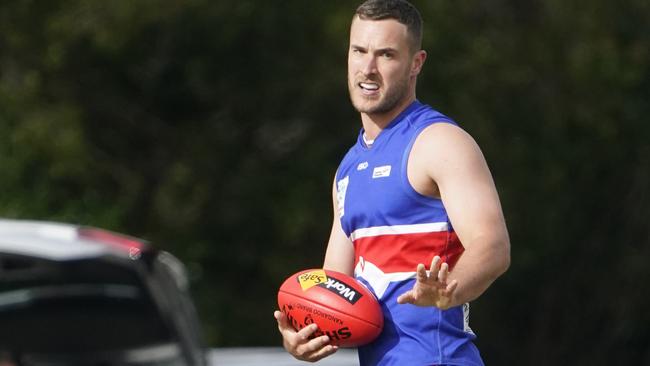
387	55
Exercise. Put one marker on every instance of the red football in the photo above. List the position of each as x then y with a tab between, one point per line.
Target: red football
341	306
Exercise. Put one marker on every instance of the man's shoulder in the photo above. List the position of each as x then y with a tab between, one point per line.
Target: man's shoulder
442	134
445	143
425	115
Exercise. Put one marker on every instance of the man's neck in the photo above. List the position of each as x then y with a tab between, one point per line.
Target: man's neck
374	123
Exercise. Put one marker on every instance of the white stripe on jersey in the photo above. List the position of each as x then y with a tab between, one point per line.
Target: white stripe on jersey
399	229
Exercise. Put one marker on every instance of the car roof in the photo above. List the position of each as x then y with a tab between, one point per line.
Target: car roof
56	241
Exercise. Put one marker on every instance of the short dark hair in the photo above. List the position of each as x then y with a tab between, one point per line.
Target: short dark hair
400	10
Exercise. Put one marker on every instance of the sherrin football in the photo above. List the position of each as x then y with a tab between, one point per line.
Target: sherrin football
341	306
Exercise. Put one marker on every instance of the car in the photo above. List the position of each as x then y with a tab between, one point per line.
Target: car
75	295
274	356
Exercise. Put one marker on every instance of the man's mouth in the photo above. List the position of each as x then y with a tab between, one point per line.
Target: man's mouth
369	86
369	89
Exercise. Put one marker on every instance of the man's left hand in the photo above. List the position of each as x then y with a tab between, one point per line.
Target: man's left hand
431	287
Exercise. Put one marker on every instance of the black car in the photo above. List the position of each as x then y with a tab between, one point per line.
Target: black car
74	295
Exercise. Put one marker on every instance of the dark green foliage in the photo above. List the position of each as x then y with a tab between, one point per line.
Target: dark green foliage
214	129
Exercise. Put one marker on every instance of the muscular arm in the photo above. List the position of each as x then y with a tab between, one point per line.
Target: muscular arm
446	161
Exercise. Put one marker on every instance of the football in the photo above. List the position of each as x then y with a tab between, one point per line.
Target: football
343	308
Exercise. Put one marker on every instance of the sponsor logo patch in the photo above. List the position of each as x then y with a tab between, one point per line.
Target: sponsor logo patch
311	279
319	278
342	289
381	171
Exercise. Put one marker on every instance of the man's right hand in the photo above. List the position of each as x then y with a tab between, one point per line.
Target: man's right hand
298	344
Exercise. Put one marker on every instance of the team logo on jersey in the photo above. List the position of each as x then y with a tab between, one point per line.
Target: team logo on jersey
381	171
341	190
362	166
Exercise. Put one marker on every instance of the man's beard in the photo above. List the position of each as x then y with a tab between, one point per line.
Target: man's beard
387	103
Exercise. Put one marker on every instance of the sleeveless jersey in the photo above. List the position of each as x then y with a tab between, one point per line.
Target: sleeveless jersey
393	228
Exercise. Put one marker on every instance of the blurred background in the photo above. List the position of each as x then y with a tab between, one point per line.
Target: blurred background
213	129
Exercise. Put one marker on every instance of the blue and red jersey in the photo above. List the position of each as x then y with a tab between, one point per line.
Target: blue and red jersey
393	228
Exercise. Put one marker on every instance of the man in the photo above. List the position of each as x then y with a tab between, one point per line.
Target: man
414	190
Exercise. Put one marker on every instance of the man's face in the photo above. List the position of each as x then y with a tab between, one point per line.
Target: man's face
380	65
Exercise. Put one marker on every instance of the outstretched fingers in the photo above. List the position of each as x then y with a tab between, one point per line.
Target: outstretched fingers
431	287
435	265
443	273
451	287
433	275
421	273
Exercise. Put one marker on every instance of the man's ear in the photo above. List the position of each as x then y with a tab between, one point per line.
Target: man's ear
418	61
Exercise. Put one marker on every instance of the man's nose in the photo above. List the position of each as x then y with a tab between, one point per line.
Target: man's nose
369	65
